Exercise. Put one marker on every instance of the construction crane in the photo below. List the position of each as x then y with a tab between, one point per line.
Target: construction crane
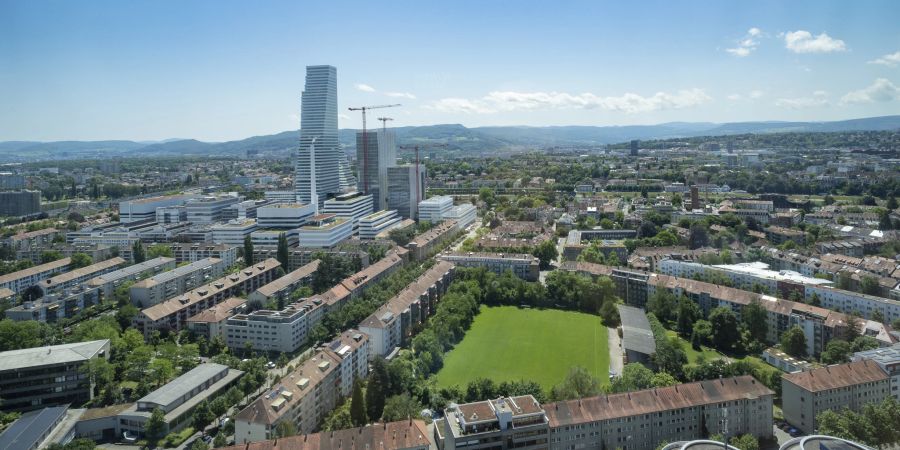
384	121
416	148
366	141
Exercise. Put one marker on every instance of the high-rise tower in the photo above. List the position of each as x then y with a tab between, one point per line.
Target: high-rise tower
382	154
318	119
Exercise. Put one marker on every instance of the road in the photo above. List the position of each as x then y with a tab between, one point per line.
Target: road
616	357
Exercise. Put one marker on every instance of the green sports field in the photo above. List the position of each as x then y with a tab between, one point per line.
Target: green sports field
508	343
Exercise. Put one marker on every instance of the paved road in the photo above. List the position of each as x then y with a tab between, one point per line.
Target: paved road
616	357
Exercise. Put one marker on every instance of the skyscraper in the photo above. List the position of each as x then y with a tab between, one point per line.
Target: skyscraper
405	190
373	167
318	119
634	147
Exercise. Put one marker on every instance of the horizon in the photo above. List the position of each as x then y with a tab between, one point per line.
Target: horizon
219	72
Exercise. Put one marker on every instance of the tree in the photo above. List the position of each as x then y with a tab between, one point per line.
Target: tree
701	334
282	254
755	318
725	328
670	357
663	379
793	342
357	406
50	256
546	253
199	444
285	428
676	200
203	415
745	442
634	377
81	260
100	372
220	441
400	407
376	390
688	313
155	427
159	250
836	351
161	370
579	383
869	285
137	252
891	203
698	237
664	305
248	251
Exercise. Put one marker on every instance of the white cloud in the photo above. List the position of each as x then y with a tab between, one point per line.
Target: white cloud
818	99
734	97
364	87
628	103
882	90
802	41
755	94
890	60
747	44
400	95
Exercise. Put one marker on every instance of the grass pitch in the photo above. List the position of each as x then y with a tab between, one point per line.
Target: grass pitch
507	343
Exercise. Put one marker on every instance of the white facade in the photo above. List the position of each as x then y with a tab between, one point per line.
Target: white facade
269	238
318	120
145	208
327	235
435	209
284	215
352	206
207	210
464	215
281	196
283	331
375	223
233	232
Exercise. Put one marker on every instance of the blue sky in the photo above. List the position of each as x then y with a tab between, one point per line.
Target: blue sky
221	70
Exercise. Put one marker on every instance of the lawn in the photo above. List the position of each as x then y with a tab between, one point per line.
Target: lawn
508	343
707	353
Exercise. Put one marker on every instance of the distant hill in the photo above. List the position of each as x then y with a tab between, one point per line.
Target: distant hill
459	138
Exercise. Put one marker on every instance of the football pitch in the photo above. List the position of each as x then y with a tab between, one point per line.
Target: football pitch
508	343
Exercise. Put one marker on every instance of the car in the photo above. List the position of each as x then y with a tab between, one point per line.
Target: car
270	365
794	432
207	438
223	421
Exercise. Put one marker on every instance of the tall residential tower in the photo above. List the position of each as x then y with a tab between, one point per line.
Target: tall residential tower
318	119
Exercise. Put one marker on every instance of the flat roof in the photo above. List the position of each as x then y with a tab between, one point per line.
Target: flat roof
54	354
184	384
28	431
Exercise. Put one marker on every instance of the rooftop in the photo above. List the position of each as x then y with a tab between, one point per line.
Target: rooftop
81	272
289	279
219	312
182	386
377	436
131	270
28	431
35	270
54	354
837	376
636	333
178	272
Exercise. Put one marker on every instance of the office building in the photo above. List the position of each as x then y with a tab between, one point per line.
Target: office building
73	278
195	252
497	424
325	231
210	323
34	378
634	147
352	206
23	279
284	216
309	393
889	360
172	314
20	203
154	290
464	215
524	266
233	232
318	133
391	325
376	151
435	208
643	419
171	214
406	187
280	196
11	181
373	224
176	399
145	208
107	283
403	435
281	289
247	209
853	385
209	210
268	238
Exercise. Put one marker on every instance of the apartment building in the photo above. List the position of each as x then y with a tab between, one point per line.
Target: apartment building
73	278
498	424
282	288
373	224
107	283
360	281
391	325
853	385
24	279
403	435
430	241
265	330
640	420
524	266
305	396
158	288
195	252
210	323
172	314
779	235
889	361
58	305
37	239
38	377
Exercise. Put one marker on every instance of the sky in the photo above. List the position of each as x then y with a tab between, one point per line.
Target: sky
224	70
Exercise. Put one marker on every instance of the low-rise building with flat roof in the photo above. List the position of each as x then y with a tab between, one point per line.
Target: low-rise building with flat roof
638	341
503	423
38	377
326	231
889	360
378	222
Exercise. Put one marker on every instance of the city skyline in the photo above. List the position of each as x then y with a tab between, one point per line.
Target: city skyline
215	73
